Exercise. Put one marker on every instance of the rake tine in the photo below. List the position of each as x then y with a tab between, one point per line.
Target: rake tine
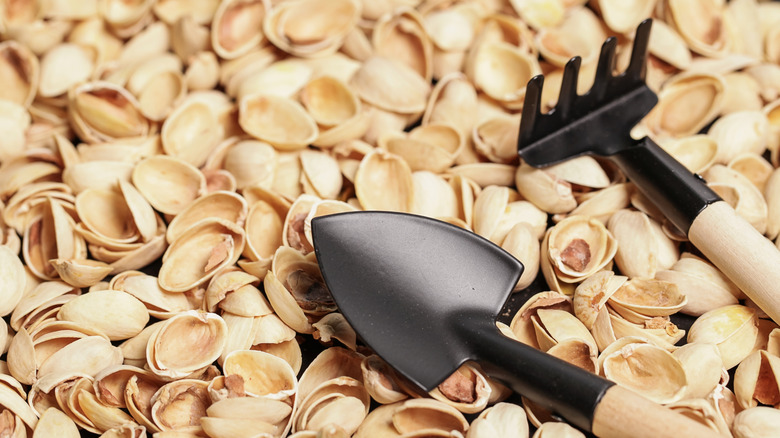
604	69
568	91
636	69
531	107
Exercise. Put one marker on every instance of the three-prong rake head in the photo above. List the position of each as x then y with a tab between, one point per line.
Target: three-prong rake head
598	122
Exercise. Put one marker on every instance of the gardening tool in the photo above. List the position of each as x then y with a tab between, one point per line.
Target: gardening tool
599	123
425	296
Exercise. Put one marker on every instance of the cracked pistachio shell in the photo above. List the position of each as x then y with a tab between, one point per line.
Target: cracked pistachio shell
181	141
168	183
758	422
169	349
662	378
696	152
321	175
20	72
502	419
14	280
521	242
199	253
754	167
703	367
757	380
102	111
117	314
467	390
433	196
497	210
280	121
734	329
591	295
391	86
238	27
291	27
579	34
703	285
502	70
740	132
179	406
686	104
649	297
222	204
402	35
54	422
329	101
430	147
343	401
578	247
555	326
380	380
63	66
419	414
642	247
557	430
522	325
160	303
700	23
742	195
383	181
252	163
262	374
548	192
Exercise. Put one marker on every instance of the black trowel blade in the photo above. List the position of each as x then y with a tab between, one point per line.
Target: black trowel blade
404	281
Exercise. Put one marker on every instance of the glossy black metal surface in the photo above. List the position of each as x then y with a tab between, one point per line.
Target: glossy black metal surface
425	295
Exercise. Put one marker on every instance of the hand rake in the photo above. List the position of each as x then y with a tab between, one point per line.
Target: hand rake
599	123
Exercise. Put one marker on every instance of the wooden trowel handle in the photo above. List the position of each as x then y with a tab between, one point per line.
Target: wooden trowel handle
583	398
623	413
748	258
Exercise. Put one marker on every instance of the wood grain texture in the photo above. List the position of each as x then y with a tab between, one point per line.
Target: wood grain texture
748	258
623	413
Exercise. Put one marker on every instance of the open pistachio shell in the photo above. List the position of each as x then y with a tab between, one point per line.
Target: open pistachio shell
578	247
289	25
169	349
687	104
117	314
403	36
181	141
281	122
761	421
200	252
102	111
379	170
579	34
503	419
237	27
591	295
732	328
221	204
662	379
390	86
700	23
179	405
20	70
171	190
757	380
262	374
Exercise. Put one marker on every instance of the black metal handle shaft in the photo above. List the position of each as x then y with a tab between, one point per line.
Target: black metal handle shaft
564	388
680	194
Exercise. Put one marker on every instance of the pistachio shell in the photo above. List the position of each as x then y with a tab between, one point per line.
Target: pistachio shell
117	314
662	378
761	421
168	191
199	253
262	374
757	380
732	328
169	350
281	122
591	295
391	86
289	27
687	104
222	204
180	140
378	172
578	247
237	27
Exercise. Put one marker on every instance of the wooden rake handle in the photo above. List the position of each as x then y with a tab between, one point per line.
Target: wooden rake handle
623	413
748	258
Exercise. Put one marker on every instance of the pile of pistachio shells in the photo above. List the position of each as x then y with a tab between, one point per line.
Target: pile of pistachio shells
161	162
